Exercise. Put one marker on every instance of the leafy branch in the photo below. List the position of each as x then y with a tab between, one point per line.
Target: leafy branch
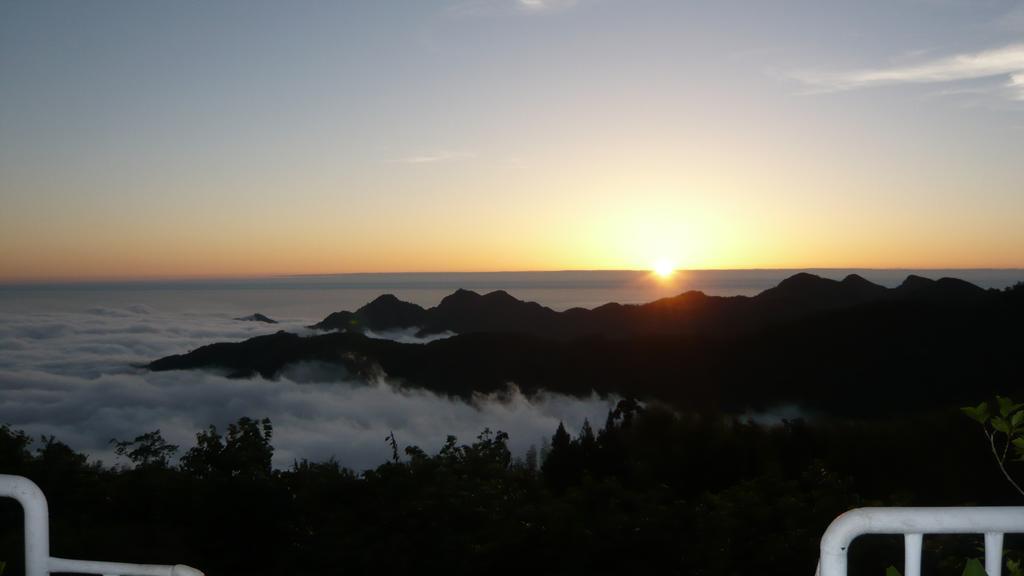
1003	431
973	567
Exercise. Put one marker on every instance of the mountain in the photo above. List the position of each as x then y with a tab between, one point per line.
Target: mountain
938	290
811	292
855	349
257	317
268	355
694	313
385	312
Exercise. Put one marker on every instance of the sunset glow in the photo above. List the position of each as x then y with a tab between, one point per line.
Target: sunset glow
508	286
523	154
663	269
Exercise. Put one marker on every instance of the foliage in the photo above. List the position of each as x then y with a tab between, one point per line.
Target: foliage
1014	567
246	452
652	491
148	450
973	567
1004	429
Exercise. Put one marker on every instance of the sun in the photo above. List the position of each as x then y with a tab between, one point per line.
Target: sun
663	269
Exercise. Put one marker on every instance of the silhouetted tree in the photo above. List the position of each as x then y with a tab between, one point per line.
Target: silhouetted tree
14	451
148	450
205	459
531	458
248	452
558	467
393	444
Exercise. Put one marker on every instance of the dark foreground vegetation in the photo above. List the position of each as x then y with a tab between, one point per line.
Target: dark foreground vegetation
650	492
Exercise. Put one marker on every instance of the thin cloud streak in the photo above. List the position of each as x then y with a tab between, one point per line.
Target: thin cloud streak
1006	61
436	157
483	7
545	5
1017	84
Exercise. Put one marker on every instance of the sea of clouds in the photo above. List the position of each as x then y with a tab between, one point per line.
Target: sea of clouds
77	376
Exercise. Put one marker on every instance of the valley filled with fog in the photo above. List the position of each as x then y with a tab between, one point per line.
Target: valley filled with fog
75	375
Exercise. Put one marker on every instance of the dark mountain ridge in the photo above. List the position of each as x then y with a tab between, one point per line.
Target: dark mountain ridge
692	312
861	352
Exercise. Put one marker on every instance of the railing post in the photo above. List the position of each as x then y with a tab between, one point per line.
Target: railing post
993	553
37	521
912	554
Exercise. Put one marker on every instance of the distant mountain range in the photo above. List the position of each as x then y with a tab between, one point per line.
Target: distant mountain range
837	347
465	312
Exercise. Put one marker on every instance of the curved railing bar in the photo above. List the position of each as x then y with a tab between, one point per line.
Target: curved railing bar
37	540
913	523
120	568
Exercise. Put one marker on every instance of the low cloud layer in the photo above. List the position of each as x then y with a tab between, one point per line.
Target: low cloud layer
75	375
1006	62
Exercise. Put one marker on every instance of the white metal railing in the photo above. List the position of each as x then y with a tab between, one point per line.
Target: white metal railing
38	561
914	523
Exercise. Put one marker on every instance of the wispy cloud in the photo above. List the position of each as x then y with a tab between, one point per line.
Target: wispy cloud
544	5
476	7
1007	61
1017	84
436	157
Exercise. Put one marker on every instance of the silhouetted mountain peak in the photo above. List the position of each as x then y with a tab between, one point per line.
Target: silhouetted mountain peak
958	284
459	298
803	293
387	311
859	281
500	296
386	303
686	299
383	299
498	311
955	287
803	279
943	289
913	283
800	285
857	284
257	317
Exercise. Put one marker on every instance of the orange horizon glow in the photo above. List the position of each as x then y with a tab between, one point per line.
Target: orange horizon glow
655	274
569	143
610	247
539	222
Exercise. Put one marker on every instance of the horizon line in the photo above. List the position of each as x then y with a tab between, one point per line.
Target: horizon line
282	276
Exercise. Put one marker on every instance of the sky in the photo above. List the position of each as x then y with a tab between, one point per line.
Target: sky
205	139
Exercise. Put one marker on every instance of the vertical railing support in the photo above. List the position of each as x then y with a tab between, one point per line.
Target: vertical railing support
912	554
993	553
